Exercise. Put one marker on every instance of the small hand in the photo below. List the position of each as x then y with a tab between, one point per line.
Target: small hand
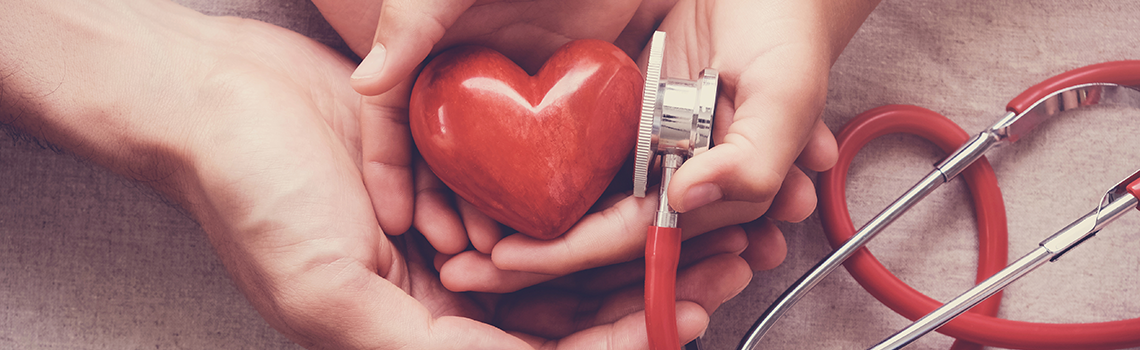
768	183
774	58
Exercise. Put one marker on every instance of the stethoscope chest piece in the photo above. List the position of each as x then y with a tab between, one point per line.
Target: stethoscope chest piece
676	123
676	114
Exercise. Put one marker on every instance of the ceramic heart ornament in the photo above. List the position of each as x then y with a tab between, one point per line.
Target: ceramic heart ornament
533	152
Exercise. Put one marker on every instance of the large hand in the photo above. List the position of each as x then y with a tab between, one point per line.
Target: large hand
251	128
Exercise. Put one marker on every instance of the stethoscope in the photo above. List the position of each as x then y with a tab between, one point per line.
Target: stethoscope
676	123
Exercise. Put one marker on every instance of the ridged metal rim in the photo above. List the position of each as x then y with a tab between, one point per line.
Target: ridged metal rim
648	106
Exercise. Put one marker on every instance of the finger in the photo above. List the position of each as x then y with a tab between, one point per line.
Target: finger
345	305
820	152
435	216
386	148
556	312
474	271
640	27
626	333
720	214
603	279
405	34
713	281
482	231
729	240
611	235
766	245
456	316
567	314
795	199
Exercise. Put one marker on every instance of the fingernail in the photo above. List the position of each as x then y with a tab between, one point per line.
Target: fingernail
372	64
702	194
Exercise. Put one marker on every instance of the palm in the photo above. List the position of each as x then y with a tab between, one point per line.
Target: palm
286	208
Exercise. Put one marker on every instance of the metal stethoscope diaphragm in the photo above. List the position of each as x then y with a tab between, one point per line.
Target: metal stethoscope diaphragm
676	114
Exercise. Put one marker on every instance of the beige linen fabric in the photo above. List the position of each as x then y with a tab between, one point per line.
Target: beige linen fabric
89	260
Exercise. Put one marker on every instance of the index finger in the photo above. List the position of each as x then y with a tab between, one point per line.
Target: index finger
613	235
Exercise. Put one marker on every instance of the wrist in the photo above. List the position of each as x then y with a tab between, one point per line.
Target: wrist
841	19
108	81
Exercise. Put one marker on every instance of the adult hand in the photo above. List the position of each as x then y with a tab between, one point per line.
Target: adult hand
252	130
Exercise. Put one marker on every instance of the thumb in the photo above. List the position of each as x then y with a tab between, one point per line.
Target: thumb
405	34
346	304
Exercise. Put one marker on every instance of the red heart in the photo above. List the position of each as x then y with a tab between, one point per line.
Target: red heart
535	152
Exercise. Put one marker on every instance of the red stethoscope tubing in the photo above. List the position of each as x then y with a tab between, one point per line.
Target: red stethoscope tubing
662	251
989	207
978	327
1125	73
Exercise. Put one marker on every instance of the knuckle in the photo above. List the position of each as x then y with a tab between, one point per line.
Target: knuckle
757	186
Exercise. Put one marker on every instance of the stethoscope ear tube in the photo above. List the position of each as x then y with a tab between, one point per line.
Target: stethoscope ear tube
862	265
662	251
1126	73
1111	83
892	292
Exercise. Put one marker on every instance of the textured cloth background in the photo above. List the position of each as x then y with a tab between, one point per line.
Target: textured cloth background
91	261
